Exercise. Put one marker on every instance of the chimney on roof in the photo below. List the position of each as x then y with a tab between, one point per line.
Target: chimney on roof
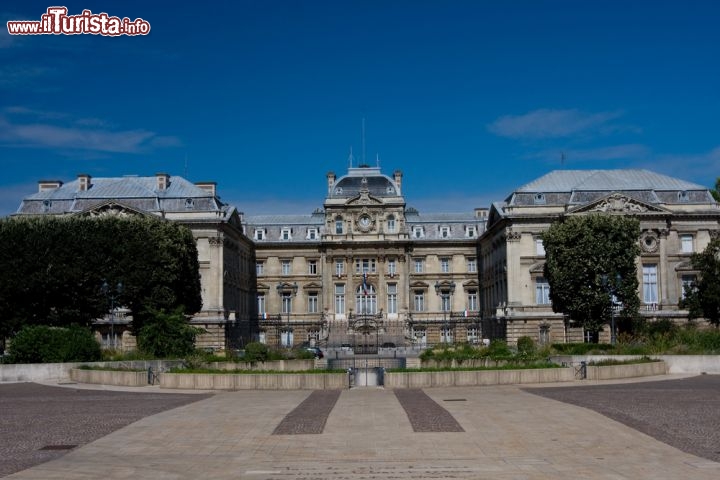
331	181
209	187
45	185
83	182
481	213
397	176
162	181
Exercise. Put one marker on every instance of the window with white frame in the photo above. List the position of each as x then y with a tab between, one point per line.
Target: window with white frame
365	300
392	267
312	302
542	291
687	284
339	267
340	298
445	265
445	301
539	247
472	265
444	232
286	302
418	232
419	301
473	335
686	243
312	234
312	267
392	298
419	265
286	233
446	335
472	300
391	224
287	338
471	231
338	225
285	267
259	268
650	284
261	303
262	336
365	265
259	234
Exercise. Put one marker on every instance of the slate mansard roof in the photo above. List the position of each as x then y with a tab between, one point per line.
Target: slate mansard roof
140	193
378	184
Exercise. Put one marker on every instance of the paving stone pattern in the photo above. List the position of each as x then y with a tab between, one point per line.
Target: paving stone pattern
424	413
682	413
310	416
34	417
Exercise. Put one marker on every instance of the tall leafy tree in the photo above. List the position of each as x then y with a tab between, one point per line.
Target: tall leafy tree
703	299
579	251
716	191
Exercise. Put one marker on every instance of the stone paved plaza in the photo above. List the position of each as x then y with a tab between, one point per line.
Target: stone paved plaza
506	432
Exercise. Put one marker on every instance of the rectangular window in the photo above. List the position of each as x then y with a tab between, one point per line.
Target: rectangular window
445	265
262	337
686	243
339	226
339	267
472	298
392	298
650	284
287	338
340	299
418	232
312	233
312	267
471	231
391	224
472	265
445	301
419	265
365	265
446	335
539	247
419	300
285	267
259	268
286	234
391	268
687	283
312	302
473	335
542	291
259	234
444	232
261	303
286	302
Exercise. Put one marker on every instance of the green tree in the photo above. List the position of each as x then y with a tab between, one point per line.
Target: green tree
703	299
166	335
716	191
44	344
579	251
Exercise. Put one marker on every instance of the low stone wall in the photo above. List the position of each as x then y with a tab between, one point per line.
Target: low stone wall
43	372
254	381
109	377
675	363
611	372
469	363
276	365
458	378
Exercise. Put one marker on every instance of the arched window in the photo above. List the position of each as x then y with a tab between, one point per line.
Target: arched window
365	300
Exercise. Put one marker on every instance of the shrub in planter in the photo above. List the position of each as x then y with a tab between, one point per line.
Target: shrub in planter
44	344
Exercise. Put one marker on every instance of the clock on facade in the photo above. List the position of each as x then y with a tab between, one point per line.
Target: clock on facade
364	222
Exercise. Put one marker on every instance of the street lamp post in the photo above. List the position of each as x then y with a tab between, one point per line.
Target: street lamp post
445	291
110	296
282	288
611	289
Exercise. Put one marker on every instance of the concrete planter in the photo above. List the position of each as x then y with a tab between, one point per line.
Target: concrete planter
276	365
468	378
109	377
254	381
611	372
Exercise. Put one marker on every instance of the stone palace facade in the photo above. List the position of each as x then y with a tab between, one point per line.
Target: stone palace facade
366	270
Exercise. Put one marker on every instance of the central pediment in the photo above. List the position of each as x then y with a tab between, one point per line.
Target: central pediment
617	203
111	209
364	199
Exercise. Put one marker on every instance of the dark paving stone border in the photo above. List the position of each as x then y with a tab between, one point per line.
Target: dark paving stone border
424	413
684	413
38	422
310	416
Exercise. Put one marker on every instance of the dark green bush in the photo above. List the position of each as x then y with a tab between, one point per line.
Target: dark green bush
526	346
498	350
580	348
168	335
256	352
43	344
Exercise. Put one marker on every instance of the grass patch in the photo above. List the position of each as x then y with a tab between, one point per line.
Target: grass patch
514	366
251	372
610	362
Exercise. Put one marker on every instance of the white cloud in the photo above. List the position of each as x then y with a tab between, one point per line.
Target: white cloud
546	123
40	130
11	195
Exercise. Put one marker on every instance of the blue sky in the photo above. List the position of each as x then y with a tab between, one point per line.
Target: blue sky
471	99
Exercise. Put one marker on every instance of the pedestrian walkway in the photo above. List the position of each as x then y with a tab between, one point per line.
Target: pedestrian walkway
508	434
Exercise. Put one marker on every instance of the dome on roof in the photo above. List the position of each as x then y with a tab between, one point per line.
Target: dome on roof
361	178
